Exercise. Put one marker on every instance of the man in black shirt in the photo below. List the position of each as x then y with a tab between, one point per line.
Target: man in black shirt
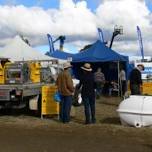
135	80
88	93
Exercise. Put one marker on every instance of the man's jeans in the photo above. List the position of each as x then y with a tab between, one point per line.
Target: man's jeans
89	108
65	108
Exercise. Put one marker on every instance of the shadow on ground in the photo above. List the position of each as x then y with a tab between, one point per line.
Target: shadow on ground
113	120
109	104
18	112
149	146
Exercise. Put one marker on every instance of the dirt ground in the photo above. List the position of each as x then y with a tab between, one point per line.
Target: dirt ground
24	133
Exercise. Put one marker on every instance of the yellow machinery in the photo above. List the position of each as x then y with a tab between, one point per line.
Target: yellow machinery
19	83
2	79
21	86
35	72
3	61
48	105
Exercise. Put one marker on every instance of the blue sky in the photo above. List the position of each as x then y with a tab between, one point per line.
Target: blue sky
149	4
46	4
29	3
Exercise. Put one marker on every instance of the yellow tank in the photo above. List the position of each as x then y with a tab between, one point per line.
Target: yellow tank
146	88
49	106
2	76
35	72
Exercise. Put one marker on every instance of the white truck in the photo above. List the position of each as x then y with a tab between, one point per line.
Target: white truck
19	84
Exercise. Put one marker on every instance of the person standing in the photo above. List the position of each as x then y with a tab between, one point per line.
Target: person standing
88	93
122	77
100	81
135	80
65	87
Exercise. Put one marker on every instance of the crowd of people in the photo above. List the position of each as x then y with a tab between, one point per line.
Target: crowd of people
92	85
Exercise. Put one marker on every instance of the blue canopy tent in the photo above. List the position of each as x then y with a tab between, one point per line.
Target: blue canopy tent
98	52
99	55
60	55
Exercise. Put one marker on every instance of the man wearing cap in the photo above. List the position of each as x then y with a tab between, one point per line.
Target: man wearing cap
66	89
135	80
88	93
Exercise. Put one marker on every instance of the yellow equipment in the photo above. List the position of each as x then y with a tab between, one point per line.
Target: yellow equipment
147	88
35	72
49	106
2	79
21	86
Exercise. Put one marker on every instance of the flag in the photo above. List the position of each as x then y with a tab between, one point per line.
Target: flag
101	35
140	42
50	43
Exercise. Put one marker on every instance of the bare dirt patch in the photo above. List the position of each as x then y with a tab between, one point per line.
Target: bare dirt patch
24	133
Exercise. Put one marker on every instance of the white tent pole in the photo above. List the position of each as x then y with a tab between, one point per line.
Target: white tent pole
118	79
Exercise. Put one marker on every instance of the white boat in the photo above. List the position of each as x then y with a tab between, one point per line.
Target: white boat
136	111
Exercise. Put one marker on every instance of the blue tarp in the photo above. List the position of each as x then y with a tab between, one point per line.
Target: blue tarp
98	52
60	55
